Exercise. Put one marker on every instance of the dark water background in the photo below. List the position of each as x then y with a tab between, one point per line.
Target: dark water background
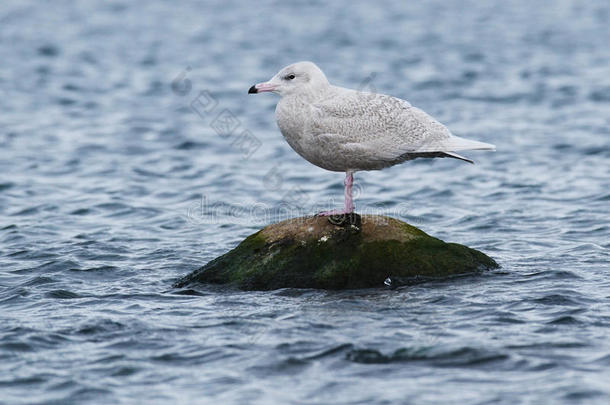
114	183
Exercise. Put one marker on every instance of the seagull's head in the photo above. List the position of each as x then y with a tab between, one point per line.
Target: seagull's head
298	78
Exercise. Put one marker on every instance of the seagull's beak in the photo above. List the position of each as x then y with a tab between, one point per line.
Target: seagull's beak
261	88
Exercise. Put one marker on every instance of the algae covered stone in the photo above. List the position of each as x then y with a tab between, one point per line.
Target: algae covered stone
342	253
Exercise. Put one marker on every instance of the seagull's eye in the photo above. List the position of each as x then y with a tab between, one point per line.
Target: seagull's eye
290	76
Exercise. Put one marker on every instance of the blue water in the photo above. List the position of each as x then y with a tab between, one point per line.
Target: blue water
117	179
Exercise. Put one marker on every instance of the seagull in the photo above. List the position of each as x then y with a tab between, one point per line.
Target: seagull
345	130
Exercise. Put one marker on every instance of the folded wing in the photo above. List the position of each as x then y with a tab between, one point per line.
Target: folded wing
381	127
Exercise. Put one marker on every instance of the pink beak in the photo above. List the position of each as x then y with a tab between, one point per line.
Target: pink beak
261	88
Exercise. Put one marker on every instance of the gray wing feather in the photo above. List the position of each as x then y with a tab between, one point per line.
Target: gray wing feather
386	127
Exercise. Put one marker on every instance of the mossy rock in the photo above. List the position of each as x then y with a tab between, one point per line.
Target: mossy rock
338	253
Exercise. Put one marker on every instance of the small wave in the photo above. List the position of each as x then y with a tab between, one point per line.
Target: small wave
330	352
601	95
190	145
100	327
460	357
38	280
549	345
565	320
580	395
189	291
556	299
81	211
282	367
6	186
16	347
34	380
62	294
48	50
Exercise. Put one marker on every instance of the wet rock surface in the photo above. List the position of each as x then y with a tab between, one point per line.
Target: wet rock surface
340	252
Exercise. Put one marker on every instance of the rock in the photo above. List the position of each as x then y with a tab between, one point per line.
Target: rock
338	253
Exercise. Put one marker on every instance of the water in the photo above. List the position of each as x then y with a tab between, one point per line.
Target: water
115	183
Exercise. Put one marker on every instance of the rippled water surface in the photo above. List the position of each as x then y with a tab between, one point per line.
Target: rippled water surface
115	181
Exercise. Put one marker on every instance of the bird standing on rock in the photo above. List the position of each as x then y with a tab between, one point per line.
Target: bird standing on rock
345	130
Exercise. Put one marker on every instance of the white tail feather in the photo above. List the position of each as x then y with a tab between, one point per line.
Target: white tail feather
455	143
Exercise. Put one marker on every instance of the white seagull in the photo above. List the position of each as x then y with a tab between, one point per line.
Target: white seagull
345	130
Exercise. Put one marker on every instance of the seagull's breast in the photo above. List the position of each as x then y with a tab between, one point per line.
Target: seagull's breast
290	119
294	118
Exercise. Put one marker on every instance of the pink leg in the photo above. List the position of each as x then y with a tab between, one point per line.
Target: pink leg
349	202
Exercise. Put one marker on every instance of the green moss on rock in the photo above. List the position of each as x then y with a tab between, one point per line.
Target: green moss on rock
362	252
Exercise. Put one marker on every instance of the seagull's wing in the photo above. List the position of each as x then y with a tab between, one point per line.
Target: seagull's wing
382	127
